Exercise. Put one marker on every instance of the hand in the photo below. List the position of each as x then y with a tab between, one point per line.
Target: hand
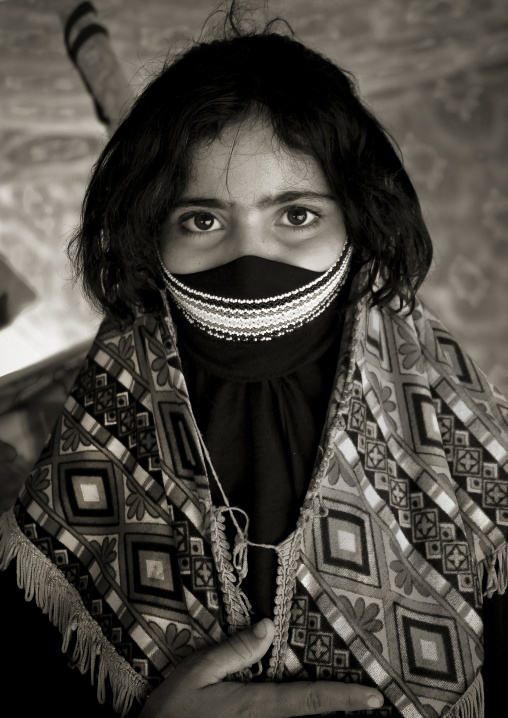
196	688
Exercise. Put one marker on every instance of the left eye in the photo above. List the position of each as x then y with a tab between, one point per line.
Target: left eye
299	216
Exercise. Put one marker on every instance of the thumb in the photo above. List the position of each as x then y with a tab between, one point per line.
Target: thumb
240	651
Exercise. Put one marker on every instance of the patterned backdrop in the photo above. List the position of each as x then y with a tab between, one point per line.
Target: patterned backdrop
434	71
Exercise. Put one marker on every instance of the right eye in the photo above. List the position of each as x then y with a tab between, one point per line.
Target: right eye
199	222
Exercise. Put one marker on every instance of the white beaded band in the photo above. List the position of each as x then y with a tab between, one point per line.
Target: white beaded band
259	319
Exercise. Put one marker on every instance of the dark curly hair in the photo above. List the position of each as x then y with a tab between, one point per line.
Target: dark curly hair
314	107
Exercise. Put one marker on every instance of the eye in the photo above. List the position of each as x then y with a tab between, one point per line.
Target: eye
300	217
199	222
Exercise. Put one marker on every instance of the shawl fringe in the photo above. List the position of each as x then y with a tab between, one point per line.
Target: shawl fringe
91	651
472	703
495	567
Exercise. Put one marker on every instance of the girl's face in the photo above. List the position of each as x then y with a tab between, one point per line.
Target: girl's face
247	195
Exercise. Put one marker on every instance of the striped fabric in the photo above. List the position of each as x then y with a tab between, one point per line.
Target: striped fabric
259	319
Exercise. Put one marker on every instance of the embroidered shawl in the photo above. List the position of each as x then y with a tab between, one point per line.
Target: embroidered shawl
402	530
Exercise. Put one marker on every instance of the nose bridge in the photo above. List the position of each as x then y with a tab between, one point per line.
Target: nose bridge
250	236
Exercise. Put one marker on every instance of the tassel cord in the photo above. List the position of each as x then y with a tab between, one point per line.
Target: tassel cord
494	571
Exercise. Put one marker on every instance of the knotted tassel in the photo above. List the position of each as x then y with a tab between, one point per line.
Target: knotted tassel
240	556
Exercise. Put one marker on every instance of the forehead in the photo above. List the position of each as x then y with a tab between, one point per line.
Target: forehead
247	159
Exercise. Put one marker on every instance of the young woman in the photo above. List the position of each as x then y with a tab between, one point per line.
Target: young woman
276	488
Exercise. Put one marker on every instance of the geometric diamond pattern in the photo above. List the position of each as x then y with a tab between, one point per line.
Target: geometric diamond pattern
429	650
415	510
322	653
88	493
422	419
356	419
399	493
186	458
495	494
425	525
319	649
346	545
462	365
456	557
153	576
467	461
196	567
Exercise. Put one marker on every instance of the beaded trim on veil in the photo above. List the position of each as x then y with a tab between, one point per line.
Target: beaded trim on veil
259	319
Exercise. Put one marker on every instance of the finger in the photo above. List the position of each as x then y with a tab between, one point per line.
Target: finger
240	651
304	698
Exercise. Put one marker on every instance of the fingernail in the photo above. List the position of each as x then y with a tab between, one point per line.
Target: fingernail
259	629
375	701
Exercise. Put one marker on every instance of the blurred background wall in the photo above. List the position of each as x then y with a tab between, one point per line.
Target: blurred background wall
434	71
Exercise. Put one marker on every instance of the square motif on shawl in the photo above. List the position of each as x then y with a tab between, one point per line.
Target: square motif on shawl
461	365
430	652
381	481
465	583
425	526
356	417
422	420
433	549
147	442
212	600
446	426
341	658
126	420
88	493
181	535
319	649
105	399
30	531
152	571
461	438
298	615
375	456
474	484
140	665
180	439
467	461
314	621
345	544
495	494
490	471
502	517
122	399
203	573
417	500
61	557
404	518
370	430
456	557
399	493
298	637
448	532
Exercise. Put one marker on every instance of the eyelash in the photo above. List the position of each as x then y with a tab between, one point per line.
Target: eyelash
298	228
301	228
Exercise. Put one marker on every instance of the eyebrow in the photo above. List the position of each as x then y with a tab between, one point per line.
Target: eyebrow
263	203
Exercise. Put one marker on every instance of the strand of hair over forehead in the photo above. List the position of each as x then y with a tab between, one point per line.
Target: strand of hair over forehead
232	18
